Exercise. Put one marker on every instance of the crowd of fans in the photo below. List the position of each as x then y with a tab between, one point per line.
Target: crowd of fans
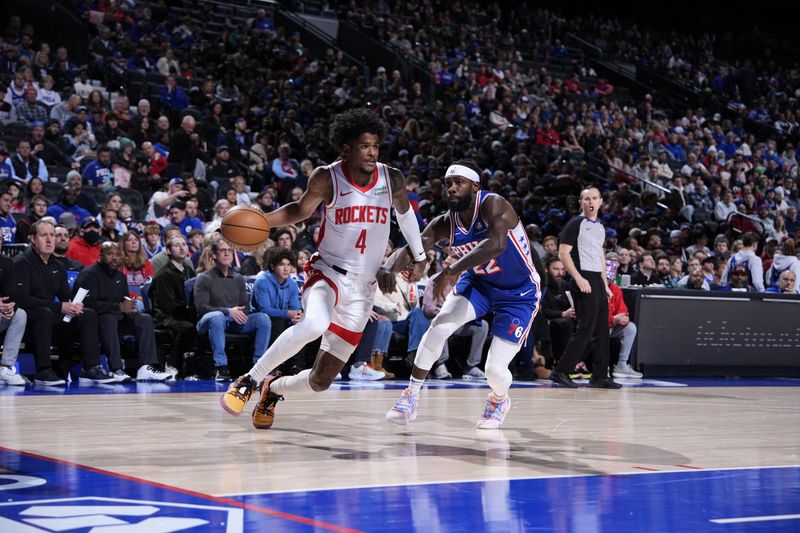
242	119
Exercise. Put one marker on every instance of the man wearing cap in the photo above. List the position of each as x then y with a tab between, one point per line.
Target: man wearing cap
98	173
26	165
177	217
85	248
161	200
221	171
31	110
47	151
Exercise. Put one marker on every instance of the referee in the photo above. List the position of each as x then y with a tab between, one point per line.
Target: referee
581	251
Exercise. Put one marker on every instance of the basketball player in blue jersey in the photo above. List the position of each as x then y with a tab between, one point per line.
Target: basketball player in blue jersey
358	193
494	273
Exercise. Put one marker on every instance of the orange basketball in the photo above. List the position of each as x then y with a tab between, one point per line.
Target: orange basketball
245	227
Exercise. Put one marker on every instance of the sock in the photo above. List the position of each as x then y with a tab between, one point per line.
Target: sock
415	385
297	383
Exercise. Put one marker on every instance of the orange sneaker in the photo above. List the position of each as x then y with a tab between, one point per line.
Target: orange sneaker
264	412
237	395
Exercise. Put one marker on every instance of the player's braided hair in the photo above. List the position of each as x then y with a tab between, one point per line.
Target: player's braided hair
348	126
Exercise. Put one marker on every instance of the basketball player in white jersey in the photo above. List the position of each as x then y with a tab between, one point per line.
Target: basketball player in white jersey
358	193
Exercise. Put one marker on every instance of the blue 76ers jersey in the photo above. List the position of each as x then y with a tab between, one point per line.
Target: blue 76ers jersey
511	269
507	286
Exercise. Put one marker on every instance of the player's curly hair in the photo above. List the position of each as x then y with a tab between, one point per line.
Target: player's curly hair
348	126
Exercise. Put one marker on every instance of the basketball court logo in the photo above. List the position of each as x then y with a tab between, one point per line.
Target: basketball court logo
115	514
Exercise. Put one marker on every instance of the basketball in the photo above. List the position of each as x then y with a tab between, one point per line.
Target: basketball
245	227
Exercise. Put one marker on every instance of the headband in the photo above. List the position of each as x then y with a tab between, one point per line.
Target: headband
464	172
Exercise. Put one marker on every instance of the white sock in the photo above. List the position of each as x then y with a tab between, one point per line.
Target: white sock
297	383
415	384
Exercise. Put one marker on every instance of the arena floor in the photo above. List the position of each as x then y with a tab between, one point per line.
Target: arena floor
662	455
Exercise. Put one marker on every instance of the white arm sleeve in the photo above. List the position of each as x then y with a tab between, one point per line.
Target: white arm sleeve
410	229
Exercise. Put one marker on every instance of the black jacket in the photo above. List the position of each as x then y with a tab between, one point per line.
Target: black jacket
554	300
7	285
39	283
168	295
107	288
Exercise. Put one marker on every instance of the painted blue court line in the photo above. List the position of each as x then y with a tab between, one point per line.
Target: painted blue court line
696	501
46	493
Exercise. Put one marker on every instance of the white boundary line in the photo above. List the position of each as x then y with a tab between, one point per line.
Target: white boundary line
475	480
756	519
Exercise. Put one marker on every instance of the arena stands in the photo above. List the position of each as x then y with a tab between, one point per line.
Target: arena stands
205	105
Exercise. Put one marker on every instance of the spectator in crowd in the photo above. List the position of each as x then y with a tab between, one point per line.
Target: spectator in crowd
620	327
785	260
402	308
173	99
724	207
151	244
787	283
162	258
66	111
116	314
169	303
221	302
85	248
62	236
177	217
286	169
82	199
135	265
8	227
666	277
752	263
98	173
183	151
30	110
48	151
42	291
26	165
647	274
37	208
12	322
477	331
222	170
109	225
557	306
6	168
161	200
277	295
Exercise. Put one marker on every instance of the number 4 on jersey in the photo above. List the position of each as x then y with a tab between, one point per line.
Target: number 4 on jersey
361	242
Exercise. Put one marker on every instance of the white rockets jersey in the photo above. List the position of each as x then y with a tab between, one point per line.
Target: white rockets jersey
355	227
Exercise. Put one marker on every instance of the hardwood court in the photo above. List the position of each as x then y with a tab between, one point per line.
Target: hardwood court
338	440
